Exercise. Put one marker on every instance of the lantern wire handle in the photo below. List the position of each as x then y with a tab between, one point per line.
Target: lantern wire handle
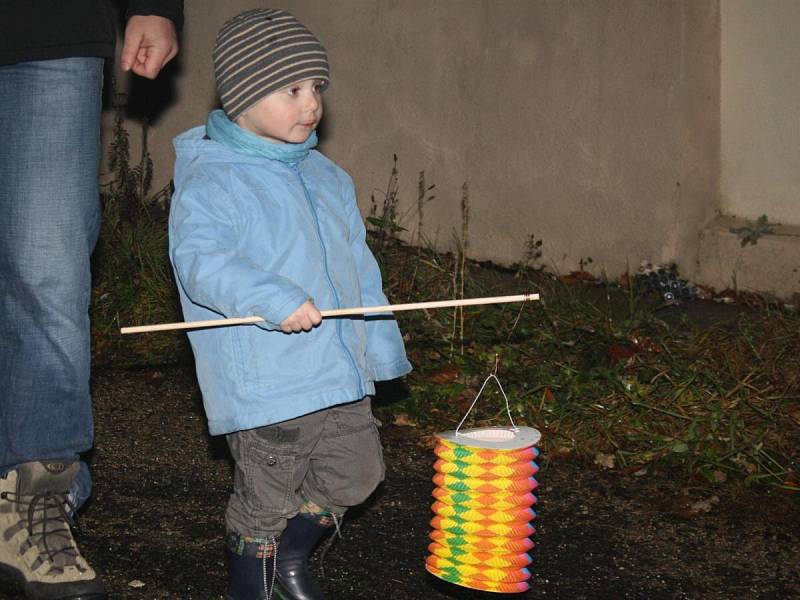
492	376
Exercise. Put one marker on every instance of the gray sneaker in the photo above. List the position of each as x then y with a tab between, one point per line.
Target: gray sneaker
36	543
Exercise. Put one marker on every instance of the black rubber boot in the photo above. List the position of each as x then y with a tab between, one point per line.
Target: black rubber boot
250	570
298	540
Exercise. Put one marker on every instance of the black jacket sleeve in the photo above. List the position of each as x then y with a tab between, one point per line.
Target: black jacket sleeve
53	29
171	9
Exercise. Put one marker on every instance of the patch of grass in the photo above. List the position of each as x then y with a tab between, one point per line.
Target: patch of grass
598	368
132	278
598	371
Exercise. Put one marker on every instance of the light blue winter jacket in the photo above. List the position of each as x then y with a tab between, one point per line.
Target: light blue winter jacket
252	236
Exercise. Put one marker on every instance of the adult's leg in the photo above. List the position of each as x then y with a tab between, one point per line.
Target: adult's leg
49	157
49	154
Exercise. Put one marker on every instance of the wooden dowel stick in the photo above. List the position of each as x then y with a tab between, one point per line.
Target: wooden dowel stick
336	312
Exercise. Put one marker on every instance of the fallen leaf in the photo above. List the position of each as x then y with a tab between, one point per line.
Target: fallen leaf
402	420
704	506
604	460
560	452
752	299
576	277
791	483
618	353
704	292
644	344
688	508
447	375
136	584
725	296
745	464
428	441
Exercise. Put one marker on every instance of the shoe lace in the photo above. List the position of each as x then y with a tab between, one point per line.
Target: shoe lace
48	520
337	521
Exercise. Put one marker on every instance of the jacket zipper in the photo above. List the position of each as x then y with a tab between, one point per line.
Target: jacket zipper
330	281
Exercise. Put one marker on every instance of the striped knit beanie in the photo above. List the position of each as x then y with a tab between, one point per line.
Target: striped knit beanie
260	51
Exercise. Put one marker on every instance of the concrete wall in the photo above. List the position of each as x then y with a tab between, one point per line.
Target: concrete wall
760	109
593	125
760	154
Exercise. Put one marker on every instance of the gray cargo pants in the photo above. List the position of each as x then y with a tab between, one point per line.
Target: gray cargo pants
332	458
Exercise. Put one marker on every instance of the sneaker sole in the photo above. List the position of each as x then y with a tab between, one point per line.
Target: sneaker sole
10	572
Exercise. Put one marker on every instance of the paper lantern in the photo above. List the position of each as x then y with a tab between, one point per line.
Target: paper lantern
483	509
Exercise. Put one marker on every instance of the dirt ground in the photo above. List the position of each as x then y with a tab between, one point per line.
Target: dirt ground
155	525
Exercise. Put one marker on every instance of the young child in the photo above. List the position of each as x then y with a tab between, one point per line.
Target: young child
262	224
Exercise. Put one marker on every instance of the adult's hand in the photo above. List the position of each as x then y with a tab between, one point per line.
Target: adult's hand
150	43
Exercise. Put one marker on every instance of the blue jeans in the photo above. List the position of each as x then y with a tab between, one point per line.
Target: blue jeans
49	222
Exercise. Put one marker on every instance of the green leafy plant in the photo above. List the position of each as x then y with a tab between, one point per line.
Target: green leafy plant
531	257
132	278
384	221
754	230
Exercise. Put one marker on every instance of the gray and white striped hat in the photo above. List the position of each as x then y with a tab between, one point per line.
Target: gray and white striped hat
260	51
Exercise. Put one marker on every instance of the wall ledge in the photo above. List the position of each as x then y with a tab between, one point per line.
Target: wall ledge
770	266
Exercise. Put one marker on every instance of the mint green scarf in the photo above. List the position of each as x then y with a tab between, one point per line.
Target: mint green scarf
221	129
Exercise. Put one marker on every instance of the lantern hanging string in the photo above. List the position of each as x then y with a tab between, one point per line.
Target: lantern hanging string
492	376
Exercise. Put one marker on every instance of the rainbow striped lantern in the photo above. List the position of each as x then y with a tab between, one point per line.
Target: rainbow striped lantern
483	509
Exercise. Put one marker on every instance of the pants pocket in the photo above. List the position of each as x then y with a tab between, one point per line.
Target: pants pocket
264	481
